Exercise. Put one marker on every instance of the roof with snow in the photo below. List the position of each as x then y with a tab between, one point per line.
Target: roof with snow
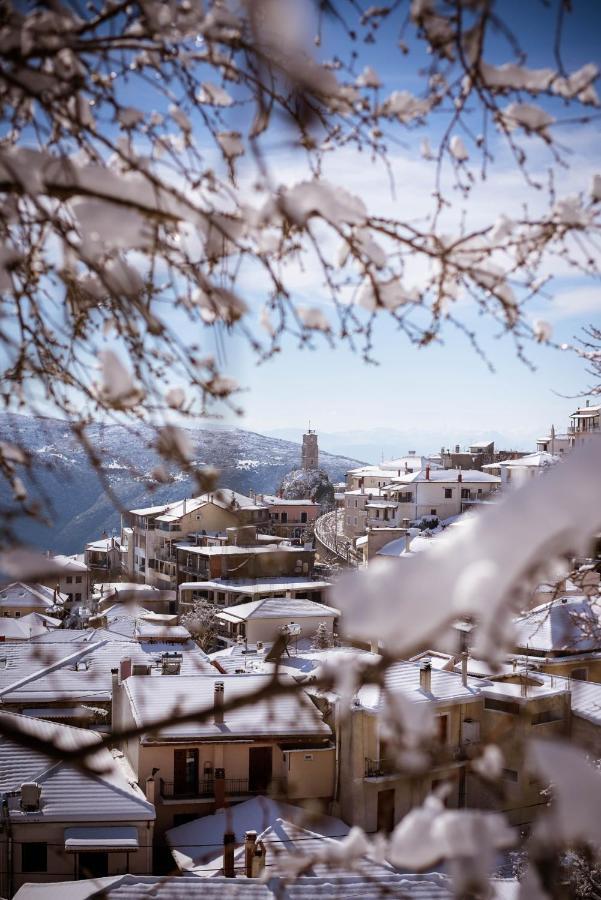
277	608
404	678
152	699
47	673
469	476
412	462
565	624
532	461
71	563
272	500
235	550
224	498
68	793
26	627
29	595
197	844
333	886
258	585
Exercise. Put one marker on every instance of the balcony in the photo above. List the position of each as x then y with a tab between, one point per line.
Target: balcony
165	555
440	756
234	787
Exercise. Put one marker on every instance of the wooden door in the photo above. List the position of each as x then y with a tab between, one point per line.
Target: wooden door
386	811
185	772
260	768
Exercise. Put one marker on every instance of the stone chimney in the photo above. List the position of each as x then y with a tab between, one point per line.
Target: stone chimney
229	839
464	658
425	676
218	696
250	840
459	476
124	670
427	473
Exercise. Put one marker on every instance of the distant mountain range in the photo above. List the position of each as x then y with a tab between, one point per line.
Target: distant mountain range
80	509
388	443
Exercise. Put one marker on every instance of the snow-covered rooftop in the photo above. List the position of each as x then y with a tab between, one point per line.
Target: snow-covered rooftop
282	715
29	595
404	678
565	624
276	608
469	476
68	793
532	461
258	585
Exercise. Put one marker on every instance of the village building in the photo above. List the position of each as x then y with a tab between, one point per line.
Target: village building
224	592
26	627
19	599
103	558
290	519
427	493
231	561
73	579
265	619
61	822
149	535
516	472
585	423
278	745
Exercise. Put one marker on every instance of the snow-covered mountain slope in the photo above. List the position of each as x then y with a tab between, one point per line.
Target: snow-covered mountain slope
66	482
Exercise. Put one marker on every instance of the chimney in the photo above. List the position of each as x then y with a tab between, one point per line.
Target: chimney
459	476
408	539
457	448
425	676
464	658
250	841
151	787
427	473
218	696
124	670
229	845
114	678
184	507
258	860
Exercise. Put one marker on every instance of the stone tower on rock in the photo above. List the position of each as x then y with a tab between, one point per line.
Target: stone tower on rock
310	454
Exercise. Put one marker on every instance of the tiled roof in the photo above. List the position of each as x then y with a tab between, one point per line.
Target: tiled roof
567	623
68	793
34	595
32	681
259	585
154	698
278	607
404	678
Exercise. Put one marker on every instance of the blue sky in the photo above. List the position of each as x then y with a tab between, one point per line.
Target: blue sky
445	383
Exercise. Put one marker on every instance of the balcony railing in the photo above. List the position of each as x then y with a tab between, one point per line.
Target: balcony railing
205	790
443	754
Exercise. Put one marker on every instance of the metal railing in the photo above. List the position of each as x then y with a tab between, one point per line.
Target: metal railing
233	787
442	754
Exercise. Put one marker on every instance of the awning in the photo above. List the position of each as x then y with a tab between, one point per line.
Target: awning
108	838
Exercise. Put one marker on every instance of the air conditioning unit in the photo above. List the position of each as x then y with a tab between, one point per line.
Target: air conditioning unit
31	792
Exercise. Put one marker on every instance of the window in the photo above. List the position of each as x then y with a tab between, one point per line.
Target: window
510	775
442	729
355	520
355	504
465	493
448	493
34	856
69	579
276	516
70	598
348	522
78	598
78	579
284	518
303	517
17	614
502	706
547	715
93	865
432	512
